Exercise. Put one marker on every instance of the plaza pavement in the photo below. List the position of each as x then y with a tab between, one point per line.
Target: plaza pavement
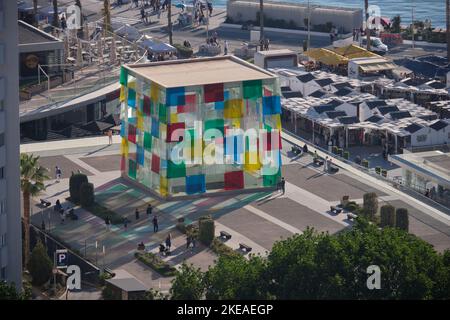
256	219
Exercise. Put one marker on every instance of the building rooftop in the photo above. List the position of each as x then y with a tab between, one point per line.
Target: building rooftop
179	73
29	34
434	164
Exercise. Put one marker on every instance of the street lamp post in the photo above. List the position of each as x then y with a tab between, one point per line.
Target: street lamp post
412	24
309	25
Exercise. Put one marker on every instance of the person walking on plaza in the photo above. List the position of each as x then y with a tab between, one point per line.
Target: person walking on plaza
107	223
155	223
283	185
149	210
110	136
188	241
125	223
325	165
136	214
225	48
58	173
168	242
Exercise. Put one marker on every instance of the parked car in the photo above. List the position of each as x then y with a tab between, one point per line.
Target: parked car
376	45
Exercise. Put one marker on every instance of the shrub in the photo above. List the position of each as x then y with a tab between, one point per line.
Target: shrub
370	205
102	212
75	182
156	263
221	249
387	213
87	197
40	265
378	170
346	155
402	219
365	163
181	227
182	51
206	230
352	207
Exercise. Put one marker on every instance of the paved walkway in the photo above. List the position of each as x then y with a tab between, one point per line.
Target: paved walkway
258	220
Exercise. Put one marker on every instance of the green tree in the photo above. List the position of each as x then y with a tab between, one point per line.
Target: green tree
32	177
402	219
40	265
395	27
87	196
387	213
234	277
8	292
206	230
370	205
188	284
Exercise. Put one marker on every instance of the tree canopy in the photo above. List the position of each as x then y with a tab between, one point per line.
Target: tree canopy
322	266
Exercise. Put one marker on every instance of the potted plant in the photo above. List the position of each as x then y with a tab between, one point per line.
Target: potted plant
346	155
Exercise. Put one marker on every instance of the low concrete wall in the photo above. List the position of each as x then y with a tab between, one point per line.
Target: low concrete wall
345	19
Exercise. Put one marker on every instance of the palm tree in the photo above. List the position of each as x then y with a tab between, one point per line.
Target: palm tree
55	14
35	13
261	20
169	20
107	15
447	17
32	177
366	6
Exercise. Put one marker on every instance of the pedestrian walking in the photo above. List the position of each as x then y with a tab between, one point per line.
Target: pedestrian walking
325	165
149	209
58	173
43	225
225	48
155	223
136	213
107	223
188	241
168	242
110	136
125	223
63	215
63	23
283	185
193	241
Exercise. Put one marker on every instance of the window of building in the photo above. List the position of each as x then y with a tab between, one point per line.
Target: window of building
422	138
3	240
2	139
3	273
2	108
2	172
2	206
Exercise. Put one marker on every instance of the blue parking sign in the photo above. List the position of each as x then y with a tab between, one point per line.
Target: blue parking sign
62	258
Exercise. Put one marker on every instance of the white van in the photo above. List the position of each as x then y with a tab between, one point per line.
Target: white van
376	45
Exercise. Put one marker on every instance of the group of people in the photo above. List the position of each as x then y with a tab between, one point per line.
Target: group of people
264	44
154	57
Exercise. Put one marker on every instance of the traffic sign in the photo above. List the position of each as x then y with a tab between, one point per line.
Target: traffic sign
62	258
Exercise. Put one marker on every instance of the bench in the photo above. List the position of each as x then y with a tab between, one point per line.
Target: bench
225	235
45	203
110	272
335	209
318	161
245	247
296	150
351	216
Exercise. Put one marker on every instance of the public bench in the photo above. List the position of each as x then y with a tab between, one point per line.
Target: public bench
245	247
225	235
335	209
318	162
45	203
351	216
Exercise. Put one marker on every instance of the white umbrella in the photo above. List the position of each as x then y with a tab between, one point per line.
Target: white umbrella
79	53
100	49
112	50
66	48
